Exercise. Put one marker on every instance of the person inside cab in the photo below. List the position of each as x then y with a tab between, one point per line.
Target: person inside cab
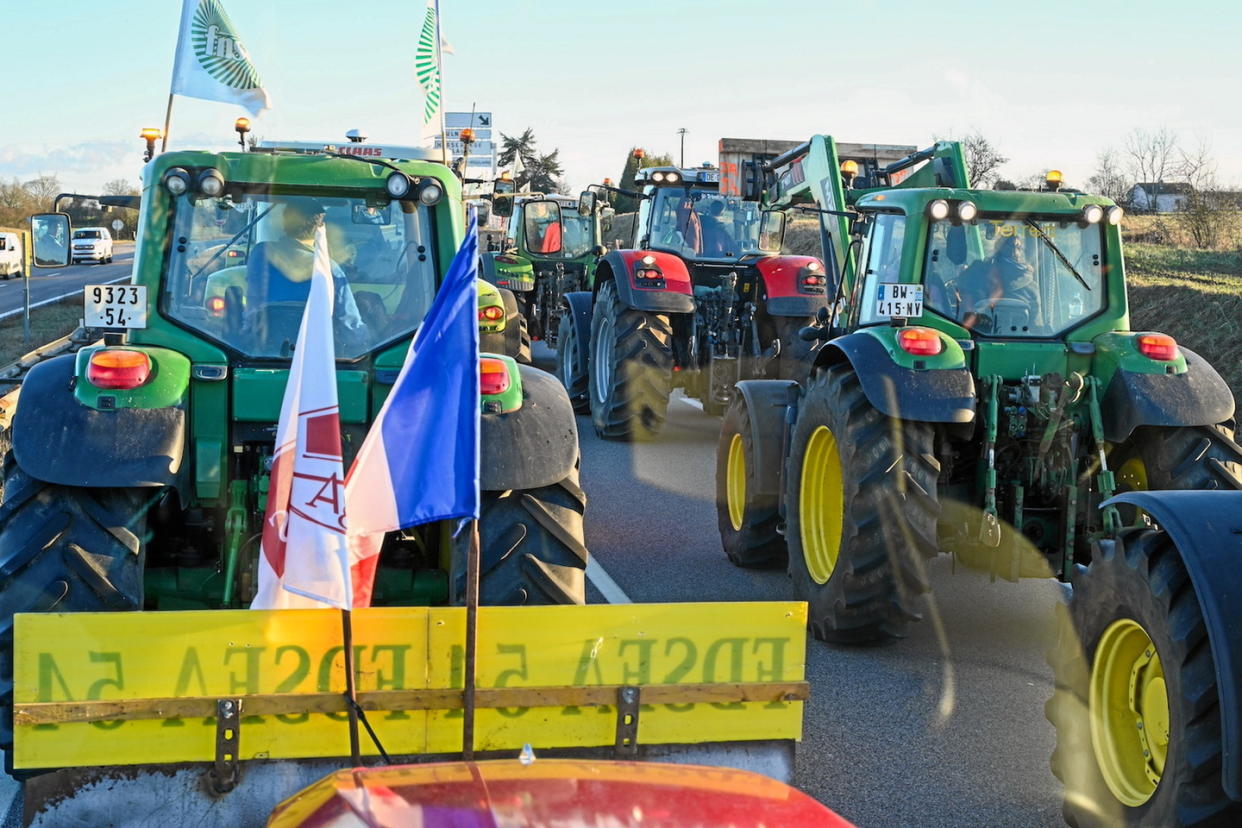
718	242
689	225
278	272
547	236
1004	275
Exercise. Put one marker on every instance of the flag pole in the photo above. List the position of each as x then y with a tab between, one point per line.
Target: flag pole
444	153
472	635
351	692
167	121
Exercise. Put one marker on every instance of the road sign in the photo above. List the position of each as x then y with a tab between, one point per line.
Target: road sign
117	224
457	120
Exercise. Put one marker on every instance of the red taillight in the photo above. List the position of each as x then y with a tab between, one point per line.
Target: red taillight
493	376
1158	346
233	254
492	313
920	341
118	368
216	305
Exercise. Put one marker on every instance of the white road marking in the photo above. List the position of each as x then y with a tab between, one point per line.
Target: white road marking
602	581
34	305
692	403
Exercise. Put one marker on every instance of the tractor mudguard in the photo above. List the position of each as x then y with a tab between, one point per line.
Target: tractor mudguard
782	280
675	294
59	440
580	304
535	446
1196	397
930	395
767	403
1206	528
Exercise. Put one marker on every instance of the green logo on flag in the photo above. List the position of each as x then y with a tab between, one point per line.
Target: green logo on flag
427	67
218	48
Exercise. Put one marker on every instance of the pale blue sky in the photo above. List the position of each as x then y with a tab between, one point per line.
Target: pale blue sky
1051	82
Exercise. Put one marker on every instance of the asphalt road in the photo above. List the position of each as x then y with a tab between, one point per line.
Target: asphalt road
47	284
943	728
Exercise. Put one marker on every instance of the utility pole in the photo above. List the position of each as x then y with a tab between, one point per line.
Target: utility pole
682	133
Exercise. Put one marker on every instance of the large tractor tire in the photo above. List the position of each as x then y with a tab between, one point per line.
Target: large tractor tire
631	368
532	549
861	511
571	364
749	522
517	336
65	549
1136	705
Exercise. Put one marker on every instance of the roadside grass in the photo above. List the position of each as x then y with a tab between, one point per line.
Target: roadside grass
47	323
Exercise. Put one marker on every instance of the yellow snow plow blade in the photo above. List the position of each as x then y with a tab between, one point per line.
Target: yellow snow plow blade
145	688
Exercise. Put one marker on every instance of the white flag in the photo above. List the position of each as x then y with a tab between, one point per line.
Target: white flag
304	560
211	62
427	71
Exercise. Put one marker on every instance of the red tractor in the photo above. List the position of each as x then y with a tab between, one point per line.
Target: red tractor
701	299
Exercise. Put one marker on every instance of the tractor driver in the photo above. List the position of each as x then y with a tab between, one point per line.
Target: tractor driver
718	242
688	227
548	234
280	271
1003	275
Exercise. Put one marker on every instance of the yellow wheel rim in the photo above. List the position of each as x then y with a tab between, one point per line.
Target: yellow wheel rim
1132	476
821	504
735	482
1129	712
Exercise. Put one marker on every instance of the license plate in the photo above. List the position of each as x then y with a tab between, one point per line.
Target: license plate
900	301
115	306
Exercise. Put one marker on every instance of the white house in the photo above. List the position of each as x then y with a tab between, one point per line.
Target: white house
1159	197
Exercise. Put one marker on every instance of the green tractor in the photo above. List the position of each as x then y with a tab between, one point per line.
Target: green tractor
550	249
978	391
138	472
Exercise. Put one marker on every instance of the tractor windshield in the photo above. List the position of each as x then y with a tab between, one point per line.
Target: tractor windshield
1015	276
576	237
240	270
703	224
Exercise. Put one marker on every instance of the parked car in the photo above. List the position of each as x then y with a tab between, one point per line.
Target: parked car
92	244
10	255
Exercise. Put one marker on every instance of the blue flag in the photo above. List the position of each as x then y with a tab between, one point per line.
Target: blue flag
420	459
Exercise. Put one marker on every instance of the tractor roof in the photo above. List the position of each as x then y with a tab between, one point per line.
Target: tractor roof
914	200
657	176
297	171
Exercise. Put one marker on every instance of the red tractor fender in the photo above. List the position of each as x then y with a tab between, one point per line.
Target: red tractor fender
787	290
649	280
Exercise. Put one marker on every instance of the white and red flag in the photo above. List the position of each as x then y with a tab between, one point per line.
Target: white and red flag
304	561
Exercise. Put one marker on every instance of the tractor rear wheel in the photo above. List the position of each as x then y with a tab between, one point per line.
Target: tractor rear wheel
861	511
531	547
748	521
517	338
1136	705
631	368
64	549
571	364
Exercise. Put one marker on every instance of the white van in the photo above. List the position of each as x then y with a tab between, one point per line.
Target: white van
10	255
91	244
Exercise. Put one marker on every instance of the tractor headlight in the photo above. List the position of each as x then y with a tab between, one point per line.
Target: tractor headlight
430	192
211	183
1092	213
672	178
177	181
967	211
398	185
1114	215
657	177
648	260
938	210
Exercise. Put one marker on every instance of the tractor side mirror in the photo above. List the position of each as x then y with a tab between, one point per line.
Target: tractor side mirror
858	226
771	231
51	232
599	250
587	203
542	226
502	197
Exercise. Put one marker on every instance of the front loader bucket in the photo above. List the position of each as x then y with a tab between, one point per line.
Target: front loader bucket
159	717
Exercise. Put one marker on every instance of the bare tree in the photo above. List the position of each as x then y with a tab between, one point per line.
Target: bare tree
1197	167
983	162
1109	180
1152	156
120	186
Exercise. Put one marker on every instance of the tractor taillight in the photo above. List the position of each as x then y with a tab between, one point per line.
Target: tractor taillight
493	376
118	368
1158	346
648	278
492	313
920	341
216	305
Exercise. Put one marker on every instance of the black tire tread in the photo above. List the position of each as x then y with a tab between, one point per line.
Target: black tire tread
759	543
642	362
577	385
